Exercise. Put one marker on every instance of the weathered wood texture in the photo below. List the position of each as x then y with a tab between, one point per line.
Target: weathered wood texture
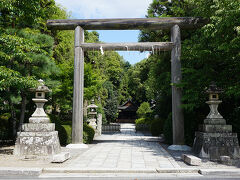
77	121
130	23
176	77
143	46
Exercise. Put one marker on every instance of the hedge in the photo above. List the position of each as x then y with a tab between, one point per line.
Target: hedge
65	132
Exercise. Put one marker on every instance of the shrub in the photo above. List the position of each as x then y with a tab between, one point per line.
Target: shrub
65	131
88	134
143	109
62	134
85	137
65	134
156	127
167	129
68	129
4	126
5	116
140	121
142	124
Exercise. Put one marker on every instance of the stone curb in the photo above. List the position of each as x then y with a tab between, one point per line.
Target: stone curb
20	171
152	170
177	170
38	171
77	170
220	172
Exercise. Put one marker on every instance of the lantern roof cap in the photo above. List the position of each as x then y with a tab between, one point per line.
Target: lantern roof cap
214	89
92	105
41	87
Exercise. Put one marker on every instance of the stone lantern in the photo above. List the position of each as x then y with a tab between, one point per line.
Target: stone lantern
38	137
92	109
39	116
214	101
92	114
215	138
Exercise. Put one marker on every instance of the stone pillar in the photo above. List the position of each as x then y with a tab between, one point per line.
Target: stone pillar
77	120
176	77
99	124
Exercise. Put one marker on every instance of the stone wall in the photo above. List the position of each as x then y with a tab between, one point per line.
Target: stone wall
114	127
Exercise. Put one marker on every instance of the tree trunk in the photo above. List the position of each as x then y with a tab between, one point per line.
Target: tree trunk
13	119
23	109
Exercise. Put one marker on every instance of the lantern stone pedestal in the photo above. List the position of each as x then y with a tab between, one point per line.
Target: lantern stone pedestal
215	138
38	137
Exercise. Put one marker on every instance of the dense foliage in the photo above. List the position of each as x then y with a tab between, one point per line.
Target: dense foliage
210	53
29	51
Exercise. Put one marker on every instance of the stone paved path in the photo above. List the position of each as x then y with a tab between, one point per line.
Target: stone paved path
125	150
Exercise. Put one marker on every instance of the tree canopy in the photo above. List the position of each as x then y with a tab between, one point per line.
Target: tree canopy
210	53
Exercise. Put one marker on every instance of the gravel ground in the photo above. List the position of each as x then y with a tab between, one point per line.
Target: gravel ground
7	159
205	163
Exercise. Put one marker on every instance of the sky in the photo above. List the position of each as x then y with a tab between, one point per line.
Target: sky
97	9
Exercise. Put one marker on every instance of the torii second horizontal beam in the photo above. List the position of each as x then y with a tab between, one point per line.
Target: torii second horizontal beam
128	23
141	46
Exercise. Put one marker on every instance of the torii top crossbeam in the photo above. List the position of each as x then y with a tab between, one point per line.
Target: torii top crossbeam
127	23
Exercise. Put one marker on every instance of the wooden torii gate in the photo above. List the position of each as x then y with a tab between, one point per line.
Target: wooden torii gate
173	23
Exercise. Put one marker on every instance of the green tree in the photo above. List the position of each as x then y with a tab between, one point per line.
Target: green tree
137	75
30	51
111	102
27	53
208	54
143	109
26	13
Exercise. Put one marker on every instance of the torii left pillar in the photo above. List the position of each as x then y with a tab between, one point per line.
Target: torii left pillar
176	77
77	117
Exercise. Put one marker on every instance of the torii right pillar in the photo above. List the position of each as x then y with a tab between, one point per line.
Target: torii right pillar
176	77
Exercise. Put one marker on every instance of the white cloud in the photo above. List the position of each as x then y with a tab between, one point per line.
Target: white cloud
93	9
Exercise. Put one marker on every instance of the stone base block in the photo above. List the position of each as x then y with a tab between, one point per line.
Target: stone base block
61	157
214	145
225	160
77	146
192	160
39	120
215	121
215	135
41	127
37	143
180	148
215	128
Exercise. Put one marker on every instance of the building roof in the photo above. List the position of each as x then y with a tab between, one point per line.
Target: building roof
128	106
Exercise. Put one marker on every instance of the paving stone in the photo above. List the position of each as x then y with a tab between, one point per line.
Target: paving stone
192	160
61	157
129	150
